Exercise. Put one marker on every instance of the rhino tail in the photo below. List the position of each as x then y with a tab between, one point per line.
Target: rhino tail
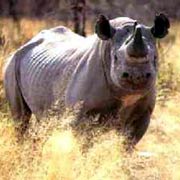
19	107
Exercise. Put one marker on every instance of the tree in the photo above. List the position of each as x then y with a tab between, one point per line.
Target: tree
12	10
79	16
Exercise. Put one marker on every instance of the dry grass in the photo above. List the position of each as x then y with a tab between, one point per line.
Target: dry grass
48	152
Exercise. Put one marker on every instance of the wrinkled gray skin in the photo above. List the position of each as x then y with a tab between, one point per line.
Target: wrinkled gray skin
100	71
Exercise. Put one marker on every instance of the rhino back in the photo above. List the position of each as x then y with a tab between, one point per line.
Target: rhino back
46	68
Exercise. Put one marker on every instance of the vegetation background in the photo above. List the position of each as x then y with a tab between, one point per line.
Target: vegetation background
50	152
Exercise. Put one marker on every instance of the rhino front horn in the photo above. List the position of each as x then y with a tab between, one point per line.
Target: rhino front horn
137	47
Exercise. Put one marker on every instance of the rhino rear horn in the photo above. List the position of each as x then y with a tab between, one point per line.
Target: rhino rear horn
161	26
103	28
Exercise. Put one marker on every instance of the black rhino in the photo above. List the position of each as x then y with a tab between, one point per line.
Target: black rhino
115	68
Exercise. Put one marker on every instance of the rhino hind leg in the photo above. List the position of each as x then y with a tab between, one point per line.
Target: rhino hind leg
12	83
20	111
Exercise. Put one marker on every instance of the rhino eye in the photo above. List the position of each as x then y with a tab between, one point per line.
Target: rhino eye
115	58
155	57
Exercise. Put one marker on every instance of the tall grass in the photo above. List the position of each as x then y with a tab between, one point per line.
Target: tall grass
51	152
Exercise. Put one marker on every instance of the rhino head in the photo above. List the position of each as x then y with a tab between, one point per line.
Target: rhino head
133	53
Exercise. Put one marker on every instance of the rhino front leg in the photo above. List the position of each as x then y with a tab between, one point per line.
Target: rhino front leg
136	130
21	114
135	121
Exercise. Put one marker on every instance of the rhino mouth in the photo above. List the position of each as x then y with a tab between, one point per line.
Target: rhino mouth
137	86
134	86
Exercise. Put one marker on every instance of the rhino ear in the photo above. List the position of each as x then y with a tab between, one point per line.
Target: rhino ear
103	28
161	26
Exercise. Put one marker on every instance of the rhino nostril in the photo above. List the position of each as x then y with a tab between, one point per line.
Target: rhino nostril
125	74
148	75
